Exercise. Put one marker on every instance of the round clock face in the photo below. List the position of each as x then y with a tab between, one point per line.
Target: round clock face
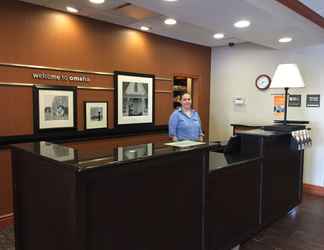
263	82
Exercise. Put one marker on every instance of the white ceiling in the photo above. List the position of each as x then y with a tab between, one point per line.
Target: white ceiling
198	20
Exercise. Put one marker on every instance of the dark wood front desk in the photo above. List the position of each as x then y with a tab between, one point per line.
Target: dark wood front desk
147	196
246	193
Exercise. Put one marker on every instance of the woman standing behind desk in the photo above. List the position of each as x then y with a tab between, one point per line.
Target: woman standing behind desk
184	123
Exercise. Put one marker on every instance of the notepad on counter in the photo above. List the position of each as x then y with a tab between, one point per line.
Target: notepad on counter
184	144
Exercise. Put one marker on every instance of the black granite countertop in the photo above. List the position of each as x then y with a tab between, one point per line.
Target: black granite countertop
249	124
220	161
99	157
264	133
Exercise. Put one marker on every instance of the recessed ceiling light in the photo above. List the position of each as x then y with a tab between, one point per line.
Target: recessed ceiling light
71	9
242	24
170	1
97	1
170	21
145	28
219	36
285	40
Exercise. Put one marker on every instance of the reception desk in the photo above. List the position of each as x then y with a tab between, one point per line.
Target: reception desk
257	182
147	196
95	194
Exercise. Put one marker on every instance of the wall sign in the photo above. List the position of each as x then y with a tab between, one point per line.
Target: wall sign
54	77
294	101
278	106
313	101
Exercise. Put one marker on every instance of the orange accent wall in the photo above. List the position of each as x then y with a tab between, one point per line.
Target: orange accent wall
40	36
36	35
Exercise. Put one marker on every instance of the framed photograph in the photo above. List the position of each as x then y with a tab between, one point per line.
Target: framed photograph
134	99
54	108
313	101
96	115
294	101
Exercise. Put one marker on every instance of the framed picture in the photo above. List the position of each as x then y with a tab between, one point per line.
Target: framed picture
54	108
96	115
313	101
294	101
134	99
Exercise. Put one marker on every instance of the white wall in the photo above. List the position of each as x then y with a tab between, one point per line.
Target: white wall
234	71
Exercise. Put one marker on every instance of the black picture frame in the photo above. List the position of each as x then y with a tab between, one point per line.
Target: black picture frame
37	92
86	127
294	101
118	109
313	101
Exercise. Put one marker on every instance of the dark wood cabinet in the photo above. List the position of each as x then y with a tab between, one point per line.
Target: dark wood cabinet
152	196
233	204
281	178
281	172
145	203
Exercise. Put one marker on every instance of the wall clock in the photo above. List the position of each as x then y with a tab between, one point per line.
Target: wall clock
263	82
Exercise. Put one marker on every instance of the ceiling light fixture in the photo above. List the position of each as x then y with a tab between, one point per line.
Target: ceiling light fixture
242	24
170	1
219	36
71	9
170	21
145	28
285	40
97	1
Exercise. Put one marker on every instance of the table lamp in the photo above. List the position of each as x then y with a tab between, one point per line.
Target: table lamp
287	76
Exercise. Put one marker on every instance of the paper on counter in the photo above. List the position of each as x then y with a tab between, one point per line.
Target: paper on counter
184	144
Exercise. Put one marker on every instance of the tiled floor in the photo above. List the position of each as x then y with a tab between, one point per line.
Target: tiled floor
303	229
7	239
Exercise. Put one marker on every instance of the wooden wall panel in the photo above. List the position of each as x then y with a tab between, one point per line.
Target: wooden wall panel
163	107
16	111
6	183
93	95
57	39
25	75
163	85
36	35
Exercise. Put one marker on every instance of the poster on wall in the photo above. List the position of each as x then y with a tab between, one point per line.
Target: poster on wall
278	106
313	101
96	115
134	100
294	101
54	108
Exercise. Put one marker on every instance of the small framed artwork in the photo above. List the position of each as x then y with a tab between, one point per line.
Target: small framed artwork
313	101
96	115
294	101
54	108
134	99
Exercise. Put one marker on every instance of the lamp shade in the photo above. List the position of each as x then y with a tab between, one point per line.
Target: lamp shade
287	76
